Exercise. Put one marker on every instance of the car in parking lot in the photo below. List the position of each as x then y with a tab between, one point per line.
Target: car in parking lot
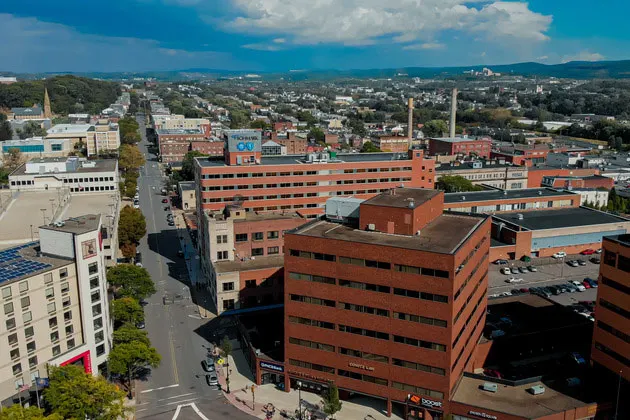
581	262
596	260
501	262
532	268
560	254
586	284
588	252
212	379
506	270
578	284
577	358
591	281
522	270
573	263
514	280
208	365
570	287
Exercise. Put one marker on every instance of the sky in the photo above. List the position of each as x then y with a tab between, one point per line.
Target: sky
282	35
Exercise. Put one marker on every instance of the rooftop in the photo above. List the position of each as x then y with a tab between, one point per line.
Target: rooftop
492	195
620	239
36	110
70	128
103	165
560	218
166	131
186	185
22	261
300	159
401	197
461	139
250	264
516	400
443	235
77	225
467	166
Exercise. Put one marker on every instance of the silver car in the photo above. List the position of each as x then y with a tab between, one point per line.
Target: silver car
212	379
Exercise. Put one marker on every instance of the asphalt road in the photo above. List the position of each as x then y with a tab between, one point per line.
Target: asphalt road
177	388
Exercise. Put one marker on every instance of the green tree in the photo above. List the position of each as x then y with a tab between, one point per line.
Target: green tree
75	395
130	138
132	226
307	116
127	310
131	281
260	124
226	350
331	401
31	129
357	127
129	359
17	412
456	183
188	165
6	133
435	128
368	147
130	334
129	187
317	134
128	250
130	157
239	118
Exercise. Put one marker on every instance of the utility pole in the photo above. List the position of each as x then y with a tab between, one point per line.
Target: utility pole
618	391
253	397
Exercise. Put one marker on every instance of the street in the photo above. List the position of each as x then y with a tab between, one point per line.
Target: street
177	388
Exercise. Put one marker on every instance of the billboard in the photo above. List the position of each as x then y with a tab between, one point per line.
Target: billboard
243	141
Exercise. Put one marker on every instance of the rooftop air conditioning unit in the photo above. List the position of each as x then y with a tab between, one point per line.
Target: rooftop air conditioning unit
490	387
536	390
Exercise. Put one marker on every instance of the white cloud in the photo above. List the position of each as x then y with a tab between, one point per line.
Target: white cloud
38	46
364	22
542	57
425	46
262	47
583	56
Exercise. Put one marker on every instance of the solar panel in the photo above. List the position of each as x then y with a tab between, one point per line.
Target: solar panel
13	265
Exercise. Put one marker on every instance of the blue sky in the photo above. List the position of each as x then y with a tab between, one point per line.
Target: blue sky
279	35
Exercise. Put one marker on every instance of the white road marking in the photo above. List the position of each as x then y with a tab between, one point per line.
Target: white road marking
179	402
193	316
160	388
179	408
199	413
177	396
193	406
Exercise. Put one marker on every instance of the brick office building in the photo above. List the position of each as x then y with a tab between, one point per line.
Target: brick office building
210	147
480	147
175	143
389	303
396	144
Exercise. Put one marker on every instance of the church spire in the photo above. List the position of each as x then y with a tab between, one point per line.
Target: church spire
47	110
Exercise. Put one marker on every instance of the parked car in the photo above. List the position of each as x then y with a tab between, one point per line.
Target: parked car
546	291
577	358
208	365
554	290
578	284
581	262
573	263
599	251
596	260
140	325
563	288
571	288
532	268
506	270
525	290
212	379
171	223
501	262
516	292
165	200
514	280
586	284
560	254
591	281
522	270
588	252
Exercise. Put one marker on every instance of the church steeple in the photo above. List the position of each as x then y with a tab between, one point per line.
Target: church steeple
47	110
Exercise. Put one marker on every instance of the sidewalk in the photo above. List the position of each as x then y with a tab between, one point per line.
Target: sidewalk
241	380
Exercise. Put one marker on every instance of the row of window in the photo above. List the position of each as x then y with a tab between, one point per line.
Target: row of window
614	308
610	352
90	179
620	334
301	173
470	296
483	262
621	262
470	337
474	309
90	189
256	252
615	285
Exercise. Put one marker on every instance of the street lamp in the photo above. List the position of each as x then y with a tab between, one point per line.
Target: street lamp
299	387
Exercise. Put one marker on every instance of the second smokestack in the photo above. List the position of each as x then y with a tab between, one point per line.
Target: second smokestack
410	122
453	113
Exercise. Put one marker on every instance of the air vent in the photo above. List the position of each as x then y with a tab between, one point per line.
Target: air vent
536	390
490	387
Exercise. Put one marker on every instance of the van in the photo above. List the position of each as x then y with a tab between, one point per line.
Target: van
506	270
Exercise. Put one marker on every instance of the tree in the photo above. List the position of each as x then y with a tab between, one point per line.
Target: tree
456	183
226	349
128	250
307	116
132	226
131	281
260	124
129	188
238	118
434	128
17	412
13	159
130	157
129	359
127	310
317	134
74	394
132	137
130	334
357	127
368	147
6	133
188	165
31	129
331	401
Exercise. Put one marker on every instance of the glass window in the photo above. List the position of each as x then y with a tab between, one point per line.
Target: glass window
31	347
70	343
99	337
67	316
258	236
17	369
15	354
257	252
93	282
13	338
54	336
56	350
96	296
97	310
93	268
50	292
52	322
98	323
10	323
241	237
52	307
66	302
228	304
24	286
273	250
228	286
100	349
272	234
65	287
6	292
25	302
27	316
69	329
8	308
63	273
32	361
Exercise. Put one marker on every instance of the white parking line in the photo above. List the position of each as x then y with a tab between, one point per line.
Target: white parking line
158	389
182	401
178	396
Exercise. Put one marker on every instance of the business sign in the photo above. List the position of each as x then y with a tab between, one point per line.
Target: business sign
271	366
425	402
244	141
483	415
360	366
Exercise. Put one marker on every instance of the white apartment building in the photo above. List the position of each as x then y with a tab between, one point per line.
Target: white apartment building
96	138
79	175
175	121
55	306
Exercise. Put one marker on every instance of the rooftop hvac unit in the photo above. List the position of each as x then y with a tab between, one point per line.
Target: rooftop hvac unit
371	226
490	387
519	216
537	390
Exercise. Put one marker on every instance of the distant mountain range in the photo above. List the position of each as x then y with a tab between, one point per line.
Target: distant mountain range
571	70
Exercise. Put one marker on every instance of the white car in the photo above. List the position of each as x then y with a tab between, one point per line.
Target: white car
506	270
136	205
579	285
560	254
514	280
574	263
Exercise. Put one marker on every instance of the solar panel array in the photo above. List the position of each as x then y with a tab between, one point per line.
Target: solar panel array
13	265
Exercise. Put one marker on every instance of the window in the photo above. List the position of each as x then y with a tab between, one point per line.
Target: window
54	336
100	350
417	390
65	287
241	237
418	366
99	337
615	285
272	234
228	304
258	236
610	258
15	354
10	323
67	316
95	297
222	255
31	347
362	331
32	361
311	344
312	300
421	295
52	322
24	286
311	322
419	319
361	377
25	302
273	250
309	277
93	268
222	239
51	307
228	286
363	355
249	284
257	252
8	308
17	369
93	282
98	323
364	286
419	343
50	292
27	316
70	343
97	310
63	273
13	338
312	366
312	255
624	264
364	309
6	292
69	330
56	350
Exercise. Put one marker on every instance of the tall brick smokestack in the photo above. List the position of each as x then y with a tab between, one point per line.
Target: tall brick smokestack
453	113
410	121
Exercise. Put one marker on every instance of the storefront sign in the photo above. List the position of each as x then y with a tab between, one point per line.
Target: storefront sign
306	375
484	415
425	402
271	366
360	366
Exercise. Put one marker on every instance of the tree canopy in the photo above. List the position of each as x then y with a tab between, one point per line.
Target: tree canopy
126	310
31	129
132	226
129	359
128	333
456	183
317	134
131	281
17	412
435	128
331	401
6	133
73	394
188	165
369	147
130	157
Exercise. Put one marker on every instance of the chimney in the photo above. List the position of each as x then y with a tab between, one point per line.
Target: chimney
410	121
453	113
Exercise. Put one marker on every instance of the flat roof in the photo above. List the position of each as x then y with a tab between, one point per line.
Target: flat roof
23	261
467	166
69	128
460	139
300	159
102	165
516	400
20	212
560	218
82	204
255	263
163	131
492	195
443	235
186	185
620	239
401	197
77	225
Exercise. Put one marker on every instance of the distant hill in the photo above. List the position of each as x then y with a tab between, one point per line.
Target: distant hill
571	70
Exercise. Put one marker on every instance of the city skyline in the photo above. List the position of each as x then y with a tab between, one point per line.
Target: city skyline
270	35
